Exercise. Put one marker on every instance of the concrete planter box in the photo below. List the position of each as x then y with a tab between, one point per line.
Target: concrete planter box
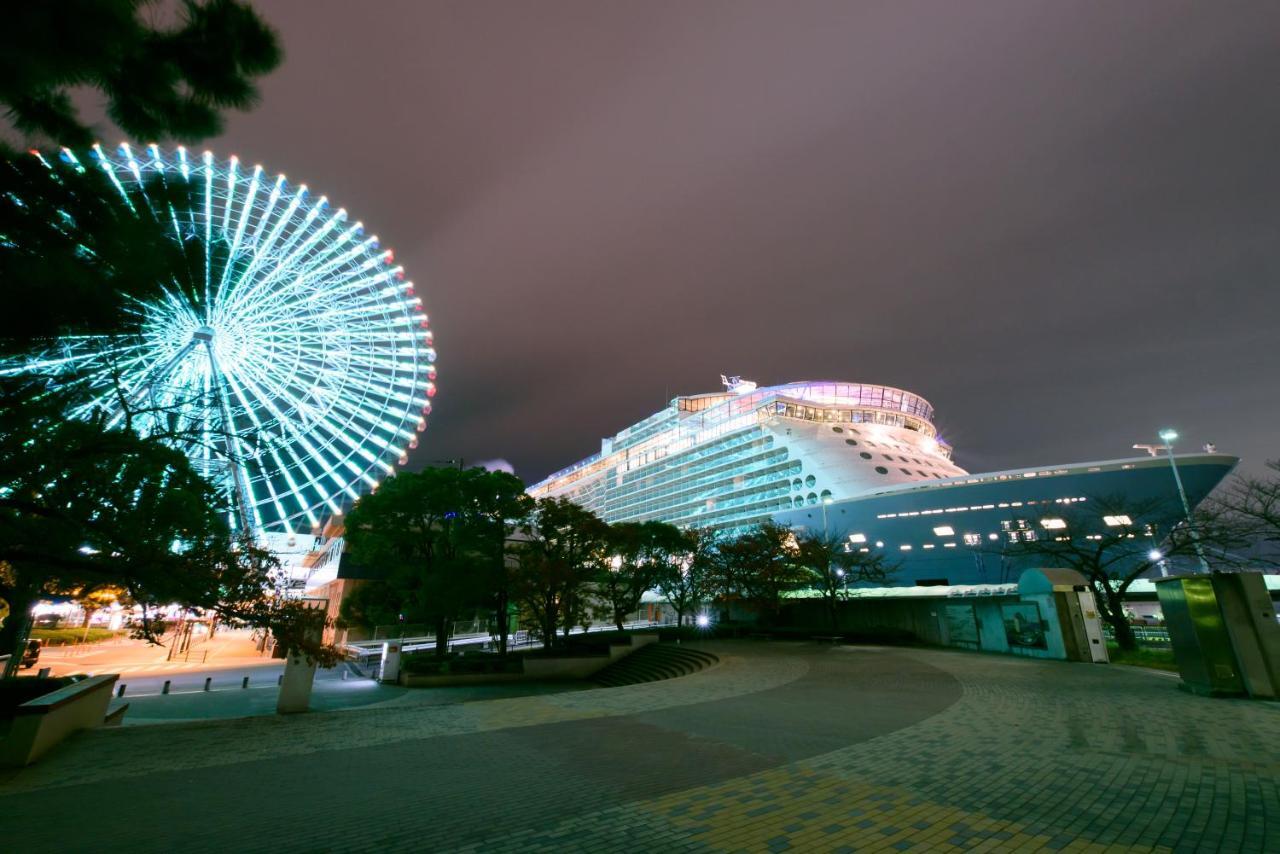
41	723
536	669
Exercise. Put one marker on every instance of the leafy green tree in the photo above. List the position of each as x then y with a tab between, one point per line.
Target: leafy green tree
159	81
685	572
437	533
561	552
638	553
832	564
759	567
1113	542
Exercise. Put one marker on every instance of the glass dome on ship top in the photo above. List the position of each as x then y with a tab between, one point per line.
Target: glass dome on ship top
294	365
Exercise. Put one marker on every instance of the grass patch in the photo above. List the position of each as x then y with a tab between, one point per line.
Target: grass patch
1157	659
68	636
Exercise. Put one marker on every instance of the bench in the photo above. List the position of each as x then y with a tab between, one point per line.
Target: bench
41	723
828	638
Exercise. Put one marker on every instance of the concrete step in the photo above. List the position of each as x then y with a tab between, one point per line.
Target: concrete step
654	662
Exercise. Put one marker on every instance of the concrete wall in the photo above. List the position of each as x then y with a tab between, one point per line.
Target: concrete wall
933	620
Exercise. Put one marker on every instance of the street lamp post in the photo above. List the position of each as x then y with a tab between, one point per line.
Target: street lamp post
1168	437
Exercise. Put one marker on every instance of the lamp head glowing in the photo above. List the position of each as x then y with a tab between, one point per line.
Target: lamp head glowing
1168	435
703	621
1154	554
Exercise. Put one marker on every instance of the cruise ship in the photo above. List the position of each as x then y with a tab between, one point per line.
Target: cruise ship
863	462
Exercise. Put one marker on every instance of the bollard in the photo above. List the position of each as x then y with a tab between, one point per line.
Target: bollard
344	676
120	691
244	683
165	689
280	679
207	680
43	674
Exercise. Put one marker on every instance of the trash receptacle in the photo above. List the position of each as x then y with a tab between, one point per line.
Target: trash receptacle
1224	633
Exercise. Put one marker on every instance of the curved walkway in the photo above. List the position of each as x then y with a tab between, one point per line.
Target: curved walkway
780	746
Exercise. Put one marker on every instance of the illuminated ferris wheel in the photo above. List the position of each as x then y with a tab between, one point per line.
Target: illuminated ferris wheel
292	362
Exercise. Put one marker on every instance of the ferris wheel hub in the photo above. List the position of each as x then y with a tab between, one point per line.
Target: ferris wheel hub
202	333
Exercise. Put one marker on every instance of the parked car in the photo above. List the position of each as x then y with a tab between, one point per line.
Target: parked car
32	653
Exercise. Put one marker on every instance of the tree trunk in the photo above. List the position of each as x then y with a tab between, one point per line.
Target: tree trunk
1112	606
504	621
617	619
17	627
442	637
835	617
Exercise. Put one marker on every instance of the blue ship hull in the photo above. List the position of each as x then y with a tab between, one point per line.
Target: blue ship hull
978	508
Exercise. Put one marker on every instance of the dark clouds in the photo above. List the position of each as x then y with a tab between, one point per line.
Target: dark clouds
1058	222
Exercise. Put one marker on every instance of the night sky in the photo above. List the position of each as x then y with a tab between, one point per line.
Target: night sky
1058	222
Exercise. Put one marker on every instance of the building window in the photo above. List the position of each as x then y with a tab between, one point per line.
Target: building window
864	455
944	531
1053	524
881	470
857	538
1119	521
972	540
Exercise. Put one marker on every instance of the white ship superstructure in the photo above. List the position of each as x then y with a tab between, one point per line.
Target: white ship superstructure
735	458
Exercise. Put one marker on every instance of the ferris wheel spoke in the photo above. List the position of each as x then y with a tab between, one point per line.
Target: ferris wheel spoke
313	341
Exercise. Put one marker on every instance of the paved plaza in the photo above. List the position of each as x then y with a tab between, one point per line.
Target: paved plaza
779	747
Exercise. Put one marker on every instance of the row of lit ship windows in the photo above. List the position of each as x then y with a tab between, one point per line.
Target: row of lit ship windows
1015	530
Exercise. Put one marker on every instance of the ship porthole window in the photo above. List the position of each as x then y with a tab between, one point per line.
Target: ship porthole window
796	484
906	471
811	498
851	441
865	455
799	502
837	429
810	480
881	470
826	493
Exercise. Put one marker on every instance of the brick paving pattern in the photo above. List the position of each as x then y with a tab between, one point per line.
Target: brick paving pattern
780	747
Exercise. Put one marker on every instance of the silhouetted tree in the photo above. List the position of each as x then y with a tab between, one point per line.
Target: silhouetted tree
638	553
160	82
84	505
439	533
759	567
563	549
832	563
1253	503
1113	542
684	575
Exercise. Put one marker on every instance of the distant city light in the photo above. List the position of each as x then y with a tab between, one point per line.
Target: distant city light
944	531
1117	521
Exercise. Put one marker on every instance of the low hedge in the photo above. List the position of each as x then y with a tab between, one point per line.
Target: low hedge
429	664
